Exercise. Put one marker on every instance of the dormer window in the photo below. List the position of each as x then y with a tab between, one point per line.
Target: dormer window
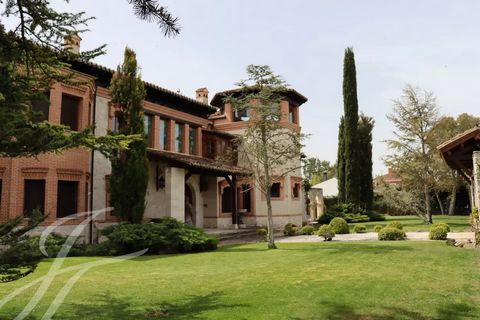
242	115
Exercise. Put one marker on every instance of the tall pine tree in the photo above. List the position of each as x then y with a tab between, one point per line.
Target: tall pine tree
341	162
365	128
129	169
350	105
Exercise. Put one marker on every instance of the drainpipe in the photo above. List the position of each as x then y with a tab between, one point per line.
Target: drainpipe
92	167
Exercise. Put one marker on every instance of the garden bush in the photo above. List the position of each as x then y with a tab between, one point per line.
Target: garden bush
290	229
353	218
325	218
377	228
326	232
262	232
438	232
442	224
168	235
375	216
389	233
395	224
359	228
339	226
307	230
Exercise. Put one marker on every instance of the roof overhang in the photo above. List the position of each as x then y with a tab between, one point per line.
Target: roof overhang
292	94
458	151
196	164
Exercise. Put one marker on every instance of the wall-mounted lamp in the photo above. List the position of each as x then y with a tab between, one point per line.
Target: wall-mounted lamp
160	178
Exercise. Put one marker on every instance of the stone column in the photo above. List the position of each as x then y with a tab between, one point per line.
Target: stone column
476	178
175	193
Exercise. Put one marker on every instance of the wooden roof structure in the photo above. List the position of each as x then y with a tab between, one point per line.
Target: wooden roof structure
196	164
458	151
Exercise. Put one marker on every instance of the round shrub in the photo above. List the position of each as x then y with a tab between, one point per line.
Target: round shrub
377	228
395	224
326	232
359	228
307	230
339	226
262	232
389	233
442	224
290	229
438	232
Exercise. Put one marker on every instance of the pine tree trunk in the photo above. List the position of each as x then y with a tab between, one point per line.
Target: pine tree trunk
440	204
453	201
266	168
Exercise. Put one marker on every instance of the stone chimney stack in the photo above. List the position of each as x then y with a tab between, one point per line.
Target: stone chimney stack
202	95
72	43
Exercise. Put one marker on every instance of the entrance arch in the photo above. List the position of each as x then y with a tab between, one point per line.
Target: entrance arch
190	215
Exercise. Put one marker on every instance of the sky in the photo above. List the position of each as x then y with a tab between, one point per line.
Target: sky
431	44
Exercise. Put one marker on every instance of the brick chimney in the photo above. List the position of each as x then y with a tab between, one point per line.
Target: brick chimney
202	95
72	43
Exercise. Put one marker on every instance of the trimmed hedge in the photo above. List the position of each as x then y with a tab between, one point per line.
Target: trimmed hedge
339	226
307	230
360	228
377	228
442	224
395	224
326	232
438	232
290	229
262	232
168	235
389	233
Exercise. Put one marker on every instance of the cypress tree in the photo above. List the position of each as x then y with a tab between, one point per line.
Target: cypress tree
130	168
350	104
341	162
365	128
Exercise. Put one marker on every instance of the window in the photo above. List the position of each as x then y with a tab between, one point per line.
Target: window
33	196
192	140
242	115
178	137
275	190
41	107
147	124
208	147
115	123
296	190
227	200
67	198
163	134
69	113
246	197
292	110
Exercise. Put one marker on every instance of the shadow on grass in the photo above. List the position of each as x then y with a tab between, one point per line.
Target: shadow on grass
107	306
337	311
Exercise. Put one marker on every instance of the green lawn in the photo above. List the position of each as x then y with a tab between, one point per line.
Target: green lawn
414	223
362	280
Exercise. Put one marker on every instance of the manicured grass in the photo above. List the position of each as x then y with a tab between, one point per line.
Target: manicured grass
414	223
362	280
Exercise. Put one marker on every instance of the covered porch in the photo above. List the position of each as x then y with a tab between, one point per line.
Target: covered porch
186	187
462	153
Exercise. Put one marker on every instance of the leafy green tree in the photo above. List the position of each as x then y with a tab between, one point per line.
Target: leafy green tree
350	134
365	128
129	168
314	170
268	149
414	114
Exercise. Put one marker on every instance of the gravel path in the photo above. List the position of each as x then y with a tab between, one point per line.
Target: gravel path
373	236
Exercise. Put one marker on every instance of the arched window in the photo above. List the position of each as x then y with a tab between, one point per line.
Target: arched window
227	199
